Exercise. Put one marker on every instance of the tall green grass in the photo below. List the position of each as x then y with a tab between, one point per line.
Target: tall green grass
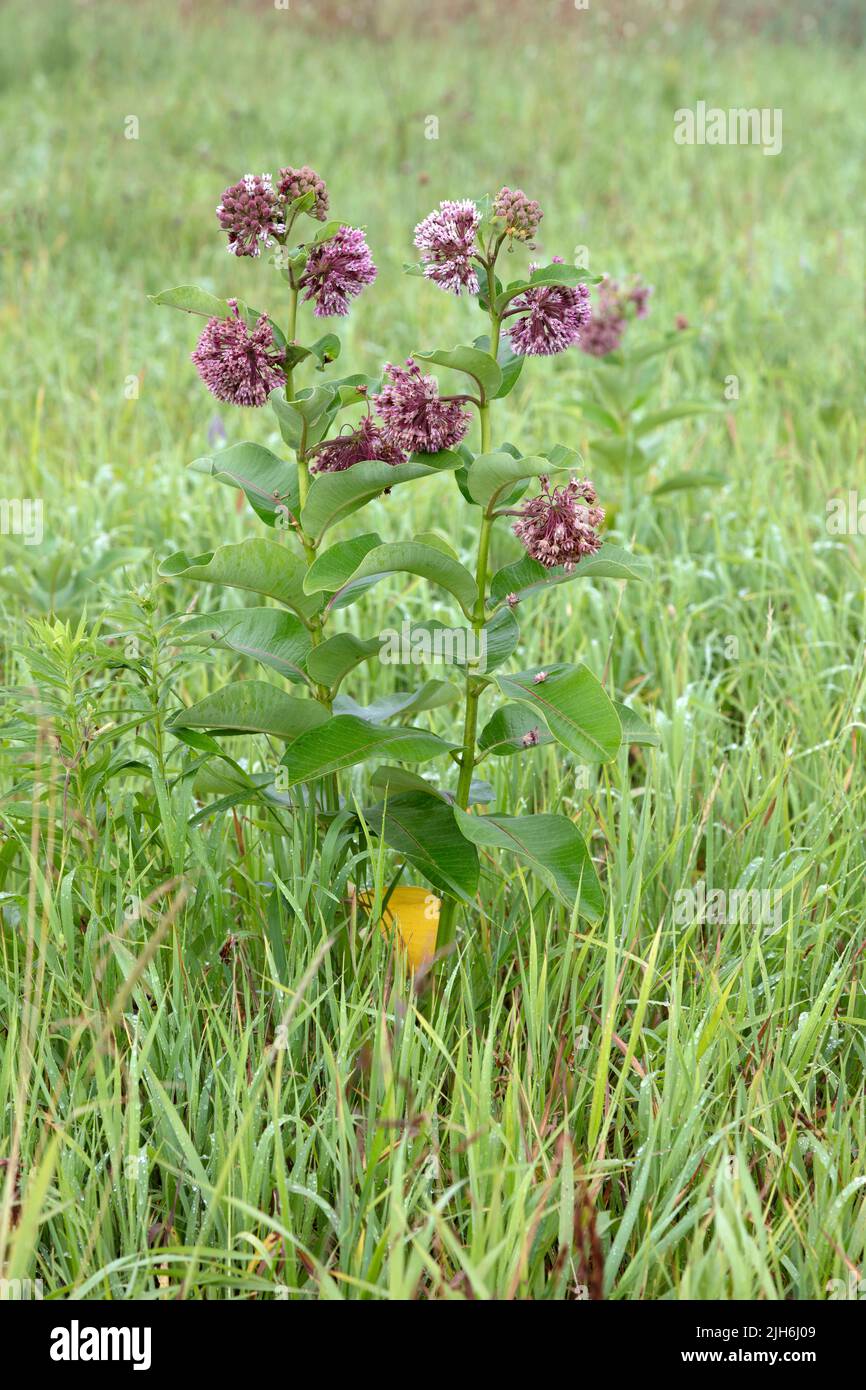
208	1085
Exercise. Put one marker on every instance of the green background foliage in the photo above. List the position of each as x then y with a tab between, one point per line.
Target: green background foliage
203	1080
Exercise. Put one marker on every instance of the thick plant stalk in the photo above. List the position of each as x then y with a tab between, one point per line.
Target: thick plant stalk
331	797
447	917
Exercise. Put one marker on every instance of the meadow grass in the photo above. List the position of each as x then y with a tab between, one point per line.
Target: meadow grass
209	1084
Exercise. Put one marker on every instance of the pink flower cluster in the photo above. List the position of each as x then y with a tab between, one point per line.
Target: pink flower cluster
253	213
560	527
336	271
416	418
235	364
610	318
520	214
446	240
368	441
552	318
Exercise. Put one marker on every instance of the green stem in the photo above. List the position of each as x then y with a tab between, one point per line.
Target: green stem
447	917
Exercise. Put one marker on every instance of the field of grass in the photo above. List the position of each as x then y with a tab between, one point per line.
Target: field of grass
209	1085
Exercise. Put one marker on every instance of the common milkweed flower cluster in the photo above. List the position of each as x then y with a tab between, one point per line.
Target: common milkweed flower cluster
609	319
404	427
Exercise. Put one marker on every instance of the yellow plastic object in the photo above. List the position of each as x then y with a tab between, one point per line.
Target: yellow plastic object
415	913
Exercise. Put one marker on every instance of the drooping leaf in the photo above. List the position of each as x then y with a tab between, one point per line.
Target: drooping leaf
193	300
334	658
683	410
679	482
333	496
472	361
344	741
422	827
504	732
526	576
252	707
573	704
553	274
493	475
434	642
635	729
393	779
269	635
269	482
257	565
551	845
330	570
431	695
413	557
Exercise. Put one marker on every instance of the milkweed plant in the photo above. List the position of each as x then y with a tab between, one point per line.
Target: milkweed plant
355	438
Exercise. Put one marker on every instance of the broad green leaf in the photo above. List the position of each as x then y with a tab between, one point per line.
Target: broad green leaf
413	557
430	695
473	361
573	705
392	779
504	732
491	475
550	844
344	741
193	300
683	410
257	565
678	482
334	658
269	635
334	566
436	643
553	274
333	496
634	729
510	364
423	829
526	576
306	418
269	482
252	707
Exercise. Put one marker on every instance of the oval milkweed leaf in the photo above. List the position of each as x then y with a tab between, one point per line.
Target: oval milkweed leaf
269	635
252	707
527	576
269	483
551	845
573	704
344	741
413	557
257	565
505	732
334	658
473	361
333	496
431	695
491	475
634	729
422	827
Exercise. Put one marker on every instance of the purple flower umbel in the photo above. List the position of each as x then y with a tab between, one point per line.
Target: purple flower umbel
252	214
610	316
552	319
368	441
560	527
446	240
336	271
294	183
415	418
520	214
237	365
